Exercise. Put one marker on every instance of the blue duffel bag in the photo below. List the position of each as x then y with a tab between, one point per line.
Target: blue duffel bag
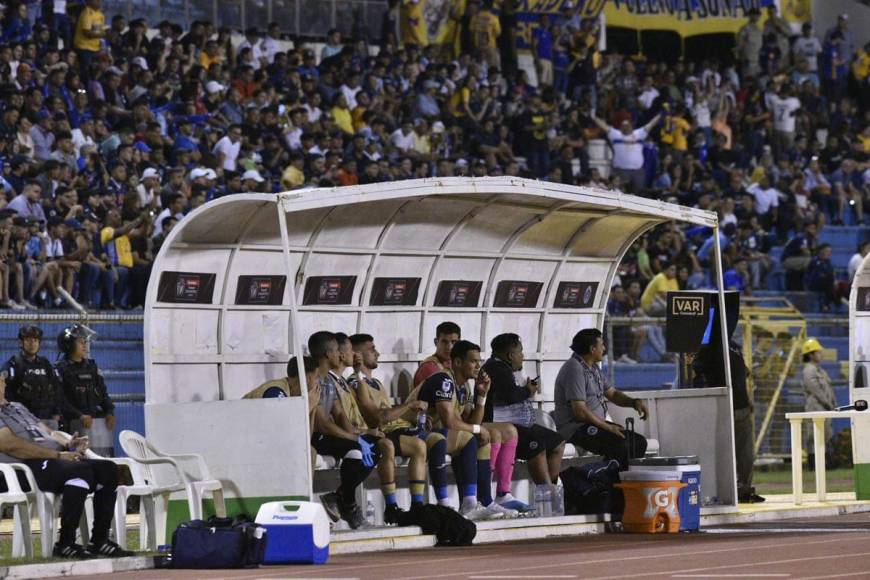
218	543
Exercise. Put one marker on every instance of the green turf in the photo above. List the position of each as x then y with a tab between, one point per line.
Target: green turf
6	550
779	481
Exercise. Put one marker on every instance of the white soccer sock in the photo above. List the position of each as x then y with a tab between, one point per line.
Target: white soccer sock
468	503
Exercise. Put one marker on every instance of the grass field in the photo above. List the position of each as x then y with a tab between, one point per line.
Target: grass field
779	481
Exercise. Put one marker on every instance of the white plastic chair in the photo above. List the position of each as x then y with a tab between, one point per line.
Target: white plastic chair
22	543
161	474
147	540
48	509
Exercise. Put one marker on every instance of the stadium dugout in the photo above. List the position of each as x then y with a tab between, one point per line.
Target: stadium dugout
243	281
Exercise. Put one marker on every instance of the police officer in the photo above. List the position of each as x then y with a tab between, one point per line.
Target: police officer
89	409
31	379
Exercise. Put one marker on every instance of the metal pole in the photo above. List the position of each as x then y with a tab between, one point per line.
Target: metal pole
295	342
611	371
723	328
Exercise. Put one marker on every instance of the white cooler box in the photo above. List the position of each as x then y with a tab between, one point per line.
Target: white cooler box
297	532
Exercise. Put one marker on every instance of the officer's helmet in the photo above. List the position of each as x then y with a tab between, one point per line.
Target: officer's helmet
67	338
29	331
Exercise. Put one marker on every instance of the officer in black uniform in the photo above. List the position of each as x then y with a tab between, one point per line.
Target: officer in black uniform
87	398
31	379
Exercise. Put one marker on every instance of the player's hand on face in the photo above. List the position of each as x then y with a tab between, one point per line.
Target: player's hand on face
482	384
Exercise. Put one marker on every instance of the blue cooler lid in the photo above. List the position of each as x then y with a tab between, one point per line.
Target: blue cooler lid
659	461
650	476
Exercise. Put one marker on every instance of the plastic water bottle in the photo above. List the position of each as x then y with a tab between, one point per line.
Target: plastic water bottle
558	506
421	425
370	512
543	501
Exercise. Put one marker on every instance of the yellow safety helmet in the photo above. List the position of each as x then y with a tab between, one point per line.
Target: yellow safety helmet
811	345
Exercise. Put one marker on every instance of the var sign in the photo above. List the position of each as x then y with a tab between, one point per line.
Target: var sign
692	317
687	306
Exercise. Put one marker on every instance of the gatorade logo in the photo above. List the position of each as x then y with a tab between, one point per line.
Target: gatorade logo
284	518
661	498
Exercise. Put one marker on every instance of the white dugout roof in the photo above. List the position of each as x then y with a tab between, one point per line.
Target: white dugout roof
392	260
505	254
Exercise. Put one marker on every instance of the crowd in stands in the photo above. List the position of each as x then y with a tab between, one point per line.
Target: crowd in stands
111	133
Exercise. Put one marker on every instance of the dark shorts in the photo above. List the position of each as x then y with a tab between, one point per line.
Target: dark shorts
337	447
536	439
395	434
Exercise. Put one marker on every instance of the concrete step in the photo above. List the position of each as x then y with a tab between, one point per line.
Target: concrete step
411	537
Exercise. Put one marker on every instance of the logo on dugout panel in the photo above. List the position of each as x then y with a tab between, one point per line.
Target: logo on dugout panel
688	306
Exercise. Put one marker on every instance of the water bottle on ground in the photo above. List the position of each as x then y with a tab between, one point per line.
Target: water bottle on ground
370	513
558	505
543	500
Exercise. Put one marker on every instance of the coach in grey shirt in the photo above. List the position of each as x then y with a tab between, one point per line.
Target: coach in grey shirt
582	395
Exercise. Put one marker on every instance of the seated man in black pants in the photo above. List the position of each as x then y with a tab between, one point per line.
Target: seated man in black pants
335	436
582	394
65	471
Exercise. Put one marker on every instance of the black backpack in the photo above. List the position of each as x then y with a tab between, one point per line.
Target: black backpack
448	526
218	543
589	489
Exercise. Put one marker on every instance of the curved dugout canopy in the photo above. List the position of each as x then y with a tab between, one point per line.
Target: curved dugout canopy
243	281
392	260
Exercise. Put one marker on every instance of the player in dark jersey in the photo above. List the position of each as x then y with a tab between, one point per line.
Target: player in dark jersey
510	401
448	400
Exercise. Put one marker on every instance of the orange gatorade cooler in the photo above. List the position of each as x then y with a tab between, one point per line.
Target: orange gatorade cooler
651	501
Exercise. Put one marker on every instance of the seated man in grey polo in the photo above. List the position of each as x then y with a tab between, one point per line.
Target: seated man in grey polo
582	395
62	469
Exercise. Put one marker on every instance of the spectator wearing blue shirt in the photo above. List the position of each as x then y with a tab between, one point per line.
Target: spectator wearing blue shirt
542	49
27	204
820	277
17	28
705	253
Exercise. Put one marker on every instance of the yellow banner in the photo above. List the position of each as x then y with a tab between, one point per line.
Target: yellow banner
685	17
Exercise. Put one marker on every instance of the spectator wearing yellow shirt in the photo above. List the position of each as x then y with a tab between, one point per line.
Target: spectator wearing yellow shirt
413	23
294	175
485	30
861	65
341	114
654	298
673	132
211	55
118	255
90	30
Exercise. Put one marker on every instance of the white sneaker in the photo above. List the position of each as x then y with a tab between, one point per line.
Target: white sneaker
499	511
509	502
478	512
626	359
28	305
15	306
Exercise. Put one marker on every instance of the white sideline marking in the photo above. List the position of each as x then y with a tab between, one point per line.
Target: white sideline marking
783	530
731	576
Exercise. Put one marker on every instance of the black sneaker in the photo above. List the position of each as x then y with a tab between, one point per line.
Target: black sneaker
109	549
72	552
392	513
353	515
329	501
